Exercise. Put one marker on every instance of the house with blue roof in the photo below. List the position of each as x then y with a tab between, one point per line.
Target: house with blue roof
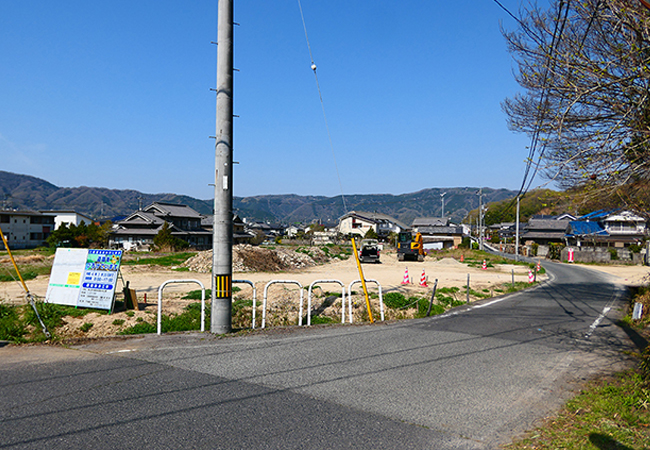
607	228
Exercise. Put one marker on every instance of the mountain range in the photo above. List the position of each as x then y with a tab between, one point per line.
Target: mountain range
24	192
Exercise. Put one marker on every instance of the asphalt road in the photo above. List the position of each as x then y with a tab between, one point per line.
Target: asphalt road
470	379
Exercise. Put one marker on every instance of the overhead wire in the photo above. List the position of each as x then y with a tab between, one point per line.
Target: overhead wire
320	95
557	33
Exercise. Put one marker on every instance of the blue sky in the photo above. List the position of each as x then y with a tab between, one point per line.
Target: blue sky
117	94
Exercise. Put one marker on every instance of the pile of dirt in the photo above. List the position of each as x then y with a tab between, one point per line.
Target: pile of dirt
247	258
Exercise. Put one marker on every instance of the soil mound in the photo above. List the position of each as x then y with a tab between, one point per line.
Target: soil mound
247	258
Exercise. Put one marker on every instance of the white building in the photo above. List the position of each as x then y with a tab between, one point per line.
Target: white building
25	229
359	222
67	217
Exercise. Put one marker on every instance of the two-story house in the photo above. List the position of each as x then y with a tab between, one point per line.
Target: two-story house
139	228
359	222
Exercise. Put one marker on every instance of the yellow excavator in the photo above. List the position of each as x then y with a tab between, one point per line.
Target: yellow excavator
410	247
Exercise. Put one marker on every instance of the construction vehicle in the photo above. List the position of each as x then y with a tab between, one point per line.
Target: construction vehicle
410	247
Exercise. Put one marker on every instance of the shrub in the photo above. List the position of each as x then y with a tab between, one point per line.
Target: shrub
613	253
11	328
395	300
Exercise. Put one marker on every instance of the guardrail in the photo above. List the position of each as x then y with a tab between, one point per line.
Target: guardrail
266	288
254	295
309	301
160	290
381	297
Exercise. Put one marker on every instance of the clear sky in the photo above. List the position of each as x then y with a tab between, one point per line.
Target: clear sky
117	94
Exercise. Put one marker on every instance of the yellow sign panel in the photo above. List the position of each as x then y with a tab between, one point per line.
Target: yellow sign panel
73	278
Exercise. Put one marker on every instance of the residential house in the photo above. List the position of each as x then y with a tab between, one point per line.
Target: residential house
359	222
25	229
68	218
239	235
139	228
438	232
603	228
544	230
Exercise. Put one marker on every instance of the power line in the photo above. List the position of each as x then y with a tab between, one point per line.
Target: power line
320	95
557	34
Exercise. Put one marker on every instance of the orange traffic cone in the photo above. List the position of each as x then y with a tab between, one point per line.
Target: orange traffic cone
462	257
484	265
406	279
423	279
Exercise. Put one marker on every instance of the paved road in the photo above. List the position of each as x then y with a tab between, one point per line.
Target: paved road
467	380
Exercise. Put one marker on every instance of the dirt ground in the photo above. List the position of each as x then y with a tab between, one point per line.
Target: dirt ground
389	274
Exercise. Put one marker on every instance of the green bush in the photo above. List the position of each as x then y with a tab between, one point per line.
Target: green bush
317	320
555	250
140	328
613	253
395	300
11	328
634	248
86	326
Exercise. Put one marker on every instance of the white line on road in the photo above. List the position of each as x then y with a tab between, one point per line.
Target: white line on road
593	326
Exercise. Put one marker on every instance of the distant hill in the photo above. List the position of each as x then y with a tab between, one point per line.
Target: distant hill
27	192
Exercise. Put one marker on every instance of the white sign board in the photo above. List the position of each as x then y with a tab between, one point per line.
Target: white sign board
82	277
638	311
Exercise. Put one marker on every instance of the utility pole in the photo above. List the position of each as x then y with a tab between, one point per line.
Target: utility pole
480	219
221	316
442	199
517	233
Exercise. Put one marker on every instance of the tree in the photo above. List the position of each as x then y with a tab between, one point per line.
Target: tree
164	240
81	236
585	68
371	234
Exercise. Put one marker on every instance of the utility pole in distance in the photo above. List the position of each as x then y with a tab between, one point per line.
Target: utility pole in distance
480	219
442	199
222	239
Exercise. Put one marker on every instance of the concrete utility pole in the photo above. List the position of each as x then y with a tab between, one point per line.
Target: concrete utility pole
442	199
517	233
222	239
480	219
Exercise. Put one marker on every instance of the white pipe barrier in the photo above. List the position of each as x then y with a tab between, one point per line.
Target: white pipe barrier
266	288
309	301
160	289
381	297
254	295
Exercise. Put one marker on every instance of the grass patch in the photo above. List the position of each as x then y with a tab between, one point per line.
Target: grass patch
167	260
319	320
11	328
608	414
19	324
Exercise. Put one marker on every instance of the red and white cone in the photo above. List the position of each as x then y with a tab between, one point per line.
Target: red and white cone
539	266
423	279
531	277
484	265
406	279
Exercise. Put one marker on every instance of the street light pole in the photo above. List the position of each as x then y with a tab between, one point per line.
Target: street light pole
442	199
222	238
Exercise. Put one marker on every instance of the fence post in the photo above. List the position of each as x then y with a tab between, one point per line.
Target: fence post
433	296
